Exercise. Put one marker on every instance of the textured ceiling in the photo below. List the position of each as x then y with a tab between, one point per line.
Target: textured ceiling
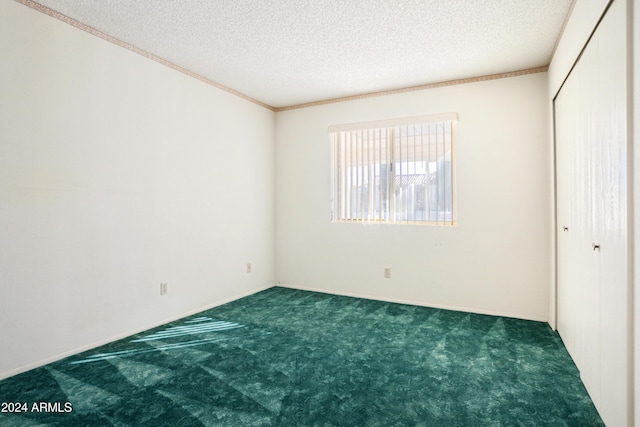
289	52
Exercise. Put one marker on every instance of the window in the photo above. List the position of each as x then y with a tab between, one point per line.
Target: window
398	171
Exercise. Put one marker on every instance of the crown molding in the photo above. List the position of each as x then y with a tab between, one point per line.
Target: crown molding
419	87
77	24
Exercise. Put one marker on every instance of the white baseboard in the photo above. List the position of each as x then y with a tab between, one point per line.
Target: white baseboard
99	343
416	303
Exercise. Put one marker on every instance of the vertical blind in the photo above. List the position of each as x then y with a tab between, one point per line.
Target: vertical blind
398	171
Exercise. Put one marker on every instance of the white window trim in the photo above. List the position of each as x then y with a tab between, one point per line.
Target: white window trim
393	122
338	132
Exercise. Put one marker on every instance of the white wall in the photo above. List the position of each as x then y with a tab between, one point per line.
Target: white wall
494	261
116	174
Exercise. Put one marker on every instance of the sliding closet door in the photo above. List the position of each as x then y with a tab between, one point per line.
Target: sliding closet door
611	211
591	170
578	271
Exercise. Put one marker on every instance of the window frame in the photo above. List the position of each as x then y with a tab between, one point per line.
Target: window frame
391	154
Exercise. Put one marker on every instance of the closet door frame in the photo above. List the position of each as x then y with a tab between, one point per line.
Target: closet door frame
593	283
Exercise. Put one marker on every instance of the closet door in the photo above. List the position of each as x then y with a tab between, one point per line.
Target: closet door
610	212
591	193
578	274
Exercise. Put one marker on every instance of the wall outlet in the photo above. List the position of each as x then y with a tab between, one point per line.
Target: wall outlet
387	272
164	288
248	267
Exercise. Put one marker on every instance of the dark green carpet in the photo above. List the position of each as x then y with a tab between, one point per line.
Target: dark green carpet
293	358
